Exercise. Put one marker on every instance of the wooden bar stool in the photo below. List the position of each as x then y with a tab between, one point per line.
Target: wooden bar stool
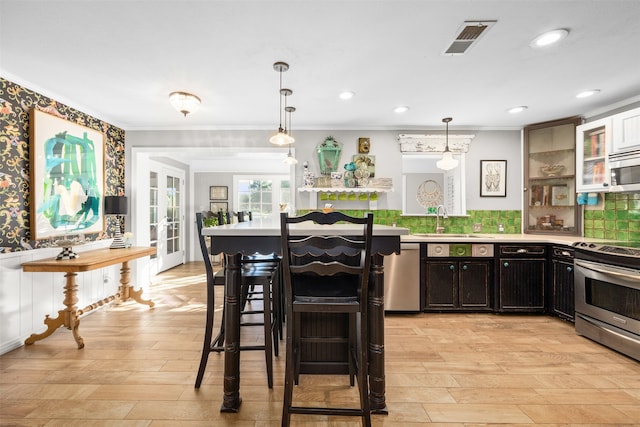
262	274
327	274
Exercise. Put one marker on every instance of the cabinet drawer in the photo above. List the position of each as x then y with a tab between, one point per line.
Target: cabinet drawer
565	254
519	250
476	250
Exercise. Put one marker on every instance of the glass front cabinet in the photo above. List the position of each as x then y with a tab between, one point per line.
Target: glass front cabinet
550	178
592	163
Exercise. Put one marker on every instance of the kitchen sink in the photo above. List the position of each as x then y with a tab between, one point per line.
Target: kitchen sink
448	236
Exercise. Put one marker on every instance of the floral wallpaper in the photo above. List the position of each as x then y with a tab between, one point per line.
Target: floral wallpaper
15	105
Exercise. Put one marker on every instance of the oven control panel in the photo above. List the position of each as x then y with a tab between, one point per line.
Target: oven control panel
610	249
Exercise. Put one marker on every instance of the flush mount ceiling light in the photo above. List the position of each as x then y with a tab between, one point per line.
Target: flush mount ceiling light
289	160
549	38
184	102
587	93
401	109
281	138
516	110
346	95
447	162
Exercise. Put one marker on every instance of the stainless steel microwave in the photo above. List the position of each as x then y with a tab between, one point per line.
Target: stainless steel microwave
625	171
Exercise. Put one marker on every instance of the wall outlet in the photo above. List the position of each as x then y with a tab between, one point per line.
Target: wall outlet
477	227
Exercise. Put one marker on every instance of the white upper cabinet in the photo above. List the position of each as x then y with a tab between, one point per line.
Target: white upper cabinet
626	131
593	145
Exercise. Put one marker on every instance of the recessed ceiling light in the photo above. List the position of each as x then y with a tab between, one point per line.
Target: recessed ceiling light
401	109
518	109
549	38
587	93
346	95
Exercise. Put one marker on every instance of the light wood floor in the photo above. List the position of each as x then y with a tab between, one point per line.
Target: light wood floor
139	366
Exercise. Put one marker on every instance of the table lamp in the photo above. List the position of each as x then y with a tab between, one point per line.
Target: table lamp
116	205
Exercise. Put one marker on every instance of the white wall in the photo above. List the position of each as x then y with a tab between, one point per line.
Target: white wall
487	145
173	144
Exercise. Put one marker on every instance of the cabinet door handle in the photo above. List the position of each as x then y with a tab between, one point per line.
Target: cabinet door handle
569	269
521	251
464	267
506	264
451	267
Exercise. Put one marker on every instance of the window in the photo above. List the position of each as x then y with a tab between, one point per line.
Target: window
263	196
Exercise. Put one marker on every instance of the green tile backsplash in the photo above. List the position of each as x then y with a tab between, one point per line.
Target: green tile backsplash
620	219
511	220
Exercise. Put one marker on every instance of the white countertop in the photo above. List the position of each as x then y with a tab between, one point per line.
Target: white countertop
269	227
497	238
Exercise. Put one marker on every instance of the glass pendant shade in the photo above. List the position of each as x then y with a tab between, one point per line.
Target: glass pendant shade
290	160
184	102
281	138
447	162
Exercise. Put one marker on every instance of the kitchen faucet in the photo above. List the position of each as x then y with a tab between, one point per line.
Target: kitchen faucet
440	229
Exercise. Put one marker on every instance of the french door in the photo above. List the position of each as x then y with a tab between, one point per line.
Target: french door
166	216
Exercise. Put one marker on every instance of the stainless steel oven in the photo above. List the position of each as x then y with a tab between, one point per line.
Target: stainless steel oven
607	295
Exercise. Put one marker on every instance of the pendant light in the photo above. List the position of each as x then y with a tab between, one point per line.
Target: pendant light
281	138
447	162
289	160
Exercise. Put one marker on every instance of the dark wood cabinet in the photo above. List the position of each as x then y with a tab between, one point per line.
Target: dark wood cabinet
522	278
550	178
562	301
455	284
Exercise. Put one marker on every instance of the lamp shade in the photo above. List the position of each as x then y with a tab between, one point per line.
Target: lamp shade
447	162
115	205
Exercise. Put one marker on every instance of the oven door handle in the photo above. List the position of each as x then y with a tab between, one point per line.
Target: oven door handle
605	270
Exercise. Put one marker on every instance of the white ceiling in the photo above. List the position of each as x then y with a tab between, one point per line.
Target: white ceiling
118	60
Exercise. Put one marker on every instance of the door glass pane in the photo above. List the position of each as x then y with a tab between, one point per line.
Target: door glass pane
173	214
153	210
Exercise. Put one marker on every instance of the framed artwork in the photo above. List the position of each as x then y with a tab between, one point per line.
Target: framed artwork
369	161
218	206
218	192
560	196
364	145
493	178
67	177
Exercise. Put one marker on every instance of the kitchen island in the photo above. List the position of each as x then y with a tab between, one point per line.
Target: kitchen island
263	236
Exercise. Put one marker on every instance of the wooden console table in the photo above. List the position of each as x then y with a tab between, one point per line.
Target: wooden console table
87	261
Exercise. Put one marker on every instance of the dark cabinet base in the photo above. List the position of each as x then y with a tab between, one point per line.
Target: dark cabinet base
455	285
522	278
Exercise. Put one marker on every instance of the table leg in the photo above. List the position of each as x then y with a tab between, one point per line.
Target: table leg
231	399
127	291
67	317
376	337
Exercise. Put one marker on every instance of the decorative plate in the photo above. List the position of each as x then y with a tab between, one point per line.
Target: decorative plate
429	194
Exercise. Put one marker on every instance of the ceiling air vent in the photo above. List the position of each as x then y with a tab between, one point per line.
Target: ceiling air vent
467	35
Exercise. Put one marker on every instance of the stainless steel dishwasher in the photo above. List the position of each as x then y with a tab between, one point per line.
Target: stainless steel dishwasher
402	279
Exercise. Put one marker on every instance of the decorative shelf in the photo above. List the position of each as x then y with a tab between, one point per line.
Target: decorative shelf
344	190
546	178
552	152
366	194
